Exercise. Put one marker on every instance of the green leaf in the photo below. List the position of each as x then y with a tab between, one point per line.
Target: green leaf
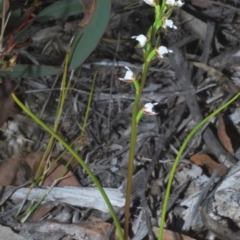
15	17
1	6
63	8
87	39
21	34
84	43
25	71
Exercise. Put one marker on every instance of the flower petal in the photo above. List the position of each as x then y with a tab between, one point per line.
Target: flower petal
141	39
174	3
163	50
168	23
129	76
179	3
148	109
170	2
150	2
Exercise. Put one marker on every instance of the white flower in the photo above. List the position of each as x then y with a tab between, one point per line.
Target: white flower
170	2
141	39
148	109
179	3
174	3
150	2
168	23
162	50
129	76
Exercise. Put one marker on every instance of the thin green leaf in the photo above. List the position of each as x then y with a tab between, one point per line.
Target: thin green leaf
63	8
179	155
79	159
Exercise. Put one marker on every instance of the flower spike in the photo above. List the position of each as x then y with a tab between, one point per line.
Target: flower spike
162	50
148	109
129	76
141	39
151	2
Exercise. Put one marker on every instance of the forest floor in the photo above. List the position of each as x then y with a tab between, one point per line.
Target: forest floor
200	75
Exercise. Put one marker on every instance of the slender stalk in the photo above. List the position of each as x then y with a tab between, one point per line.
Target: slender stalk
144	75
176	161
133	138
134	128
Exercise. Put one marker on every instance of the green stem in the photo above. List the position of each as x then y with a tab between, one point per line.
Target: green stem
144	74
79	159
139	116
176	161
133	138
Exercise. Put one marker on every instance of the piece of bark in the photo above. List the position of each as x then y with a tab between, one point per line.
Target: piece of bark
218	229
88	197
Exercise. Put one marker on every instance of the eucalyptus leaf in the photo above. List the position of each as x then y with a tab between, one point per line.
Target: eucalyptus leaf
24	71
63	8
84	43
87	39
15	16
1	6
22	33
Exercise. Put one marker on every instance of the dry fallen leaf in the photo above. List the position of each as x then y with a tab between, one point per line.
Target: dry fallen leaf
41	211
203	159
16	171
225	140
58	171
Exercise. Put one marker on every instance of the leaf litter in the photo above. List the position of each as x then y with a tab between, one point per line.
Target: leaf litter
206	179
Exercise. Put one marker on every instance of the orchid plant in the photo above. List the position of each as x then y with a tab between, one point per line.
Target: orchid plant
163	10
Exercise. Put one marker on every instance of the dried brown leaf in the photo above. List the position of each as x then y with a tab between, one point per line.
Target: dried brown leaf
225	140
58	171
41	211
14	171
203	159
